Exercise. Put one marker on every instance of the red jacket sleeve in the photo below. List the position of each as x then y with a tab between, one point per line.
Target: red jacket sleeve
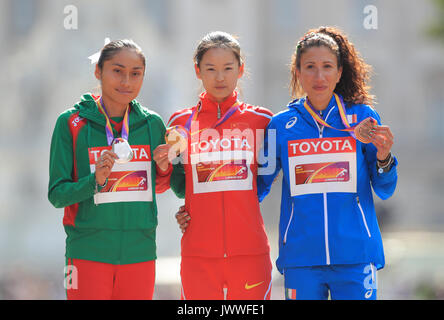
163	178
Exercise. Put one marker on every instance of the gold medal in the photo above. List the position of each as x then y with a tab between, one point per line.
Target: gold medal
177	137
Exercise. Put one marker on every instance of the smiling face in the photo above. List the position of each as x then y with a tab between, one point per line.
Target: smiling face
318	75
219	71
121	76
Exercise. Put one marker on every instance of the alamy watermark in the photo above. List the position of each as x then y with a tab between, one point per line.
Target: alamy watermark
371	19
71	20
71	277
233	145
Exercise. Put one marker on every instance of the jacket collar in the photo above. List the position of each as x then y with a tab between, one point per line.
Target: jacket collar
209	104
299	105
88	109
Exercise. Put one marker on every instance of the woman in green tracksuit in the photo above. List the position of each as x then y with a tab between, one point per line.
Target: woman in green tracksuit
102	172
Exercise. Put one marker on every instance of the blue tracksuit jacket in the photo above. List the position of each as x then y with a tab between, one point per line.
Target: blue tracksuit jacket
327	211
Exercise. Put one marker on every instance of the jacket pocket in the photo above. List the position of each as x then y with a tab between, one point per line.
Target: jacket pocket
288	224
363	217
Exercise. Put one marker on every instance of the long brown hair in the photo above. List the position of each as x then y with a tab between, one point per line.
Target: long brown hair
353	85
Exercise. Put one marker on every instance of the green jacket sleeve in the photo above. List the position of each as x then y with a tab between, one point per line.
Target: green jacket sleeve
63	191
177	181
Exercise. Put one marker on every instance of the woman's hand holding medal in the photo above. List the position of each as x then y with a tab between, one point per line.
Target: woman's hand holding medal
176	143
368	131
382	139
104	166
160	156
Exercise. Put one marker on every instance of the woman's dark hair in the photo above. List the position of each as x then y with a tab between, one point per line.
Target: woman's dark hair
353	85
218	39
114	47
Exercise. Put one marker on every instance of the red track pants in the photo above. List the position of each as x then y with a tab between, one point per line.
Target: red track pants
90	280
243	277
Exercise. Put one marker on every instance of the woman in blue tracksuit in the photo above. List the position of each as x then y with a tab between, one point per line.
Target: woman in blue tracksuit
329	238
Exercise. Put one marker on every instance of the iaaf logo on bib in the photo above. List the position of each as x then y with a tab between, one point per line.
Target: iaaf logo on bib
320	146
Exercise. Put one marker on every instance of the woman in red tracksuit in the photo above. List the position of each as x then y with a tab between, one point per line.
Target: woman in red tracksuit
225	244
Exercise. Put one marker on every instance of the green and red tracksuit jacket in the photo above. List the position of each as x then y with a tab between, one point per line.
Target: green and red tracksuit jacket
217	177
115	224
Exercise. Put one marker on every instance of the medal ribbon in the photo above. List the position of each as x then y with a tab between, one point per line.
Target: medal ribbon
109	128
228	114
341	108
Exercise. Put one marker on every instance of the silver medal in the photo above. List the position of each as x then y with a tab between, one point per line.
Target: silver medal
123	150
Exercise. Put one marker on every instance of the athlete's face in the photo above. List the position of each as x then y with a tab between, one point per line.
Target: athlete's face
318	75
121	76
219	71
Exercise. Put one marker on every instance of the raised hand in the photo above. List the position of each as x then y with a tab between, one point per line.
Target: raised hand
104	166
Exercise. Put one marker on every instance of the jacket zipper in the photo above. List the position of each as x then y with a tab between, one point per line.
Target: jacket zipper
324	198
223	199
224	227
289	222
363	217
324	195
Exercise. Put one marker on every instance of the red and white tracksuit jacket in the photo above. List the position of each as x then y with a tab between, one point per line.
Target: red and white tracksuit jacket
220	168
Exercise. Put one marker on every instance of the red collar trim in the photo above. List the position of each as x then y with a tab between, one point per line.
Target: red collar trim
208	102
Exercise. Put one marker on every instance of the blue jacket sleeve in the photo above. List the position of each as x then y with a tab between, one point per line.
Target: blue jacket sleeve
384	184
269	161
